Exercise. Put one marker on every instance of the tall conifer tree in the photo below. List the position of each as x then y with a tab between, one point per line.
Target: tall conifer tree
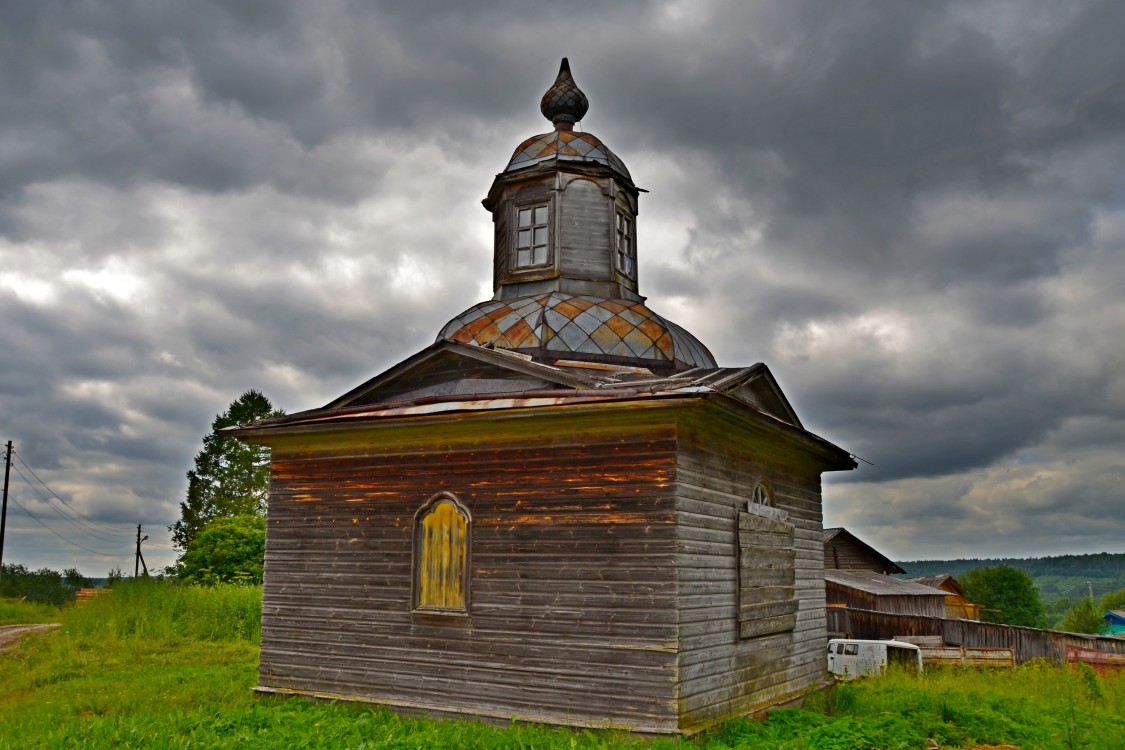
230	478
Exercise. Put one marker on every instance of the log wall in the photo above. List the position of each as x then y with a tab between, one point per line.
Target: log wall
840	595
719	462
573	614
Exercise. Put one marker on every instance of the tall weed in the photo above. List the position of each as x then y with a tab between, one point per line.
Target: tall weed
14	612
165	613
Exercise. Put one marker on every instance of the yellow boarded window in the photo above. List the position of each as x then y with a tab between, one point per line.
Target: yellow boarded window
441	556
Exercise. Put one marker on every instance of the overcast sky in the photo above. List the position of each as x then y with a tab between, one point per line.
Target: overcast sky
914	213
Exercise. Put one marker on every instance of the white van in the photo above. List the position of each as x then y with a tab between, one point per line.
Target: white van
849	658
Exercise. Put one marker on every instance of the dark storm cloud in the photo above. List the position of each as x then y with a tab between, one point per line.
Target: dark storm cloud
912	212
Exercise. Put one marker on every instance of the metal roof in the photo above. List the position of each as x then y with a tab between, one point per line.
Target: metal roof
558	325
565	145
879	584
938	581
751	390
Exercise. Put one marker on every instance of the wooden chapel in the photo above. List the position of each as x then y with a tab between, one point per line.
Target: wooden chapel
563	510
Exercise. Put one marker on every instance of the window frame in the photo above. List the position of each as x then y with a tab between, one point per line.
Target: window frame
418	550
762	495
628	235
514	265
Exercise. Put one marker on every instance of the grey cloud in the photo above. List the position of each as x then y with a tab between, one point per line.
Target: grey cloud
911	212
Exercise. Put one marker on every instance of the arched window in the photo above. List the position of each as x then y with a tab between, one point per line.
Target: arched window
762	495
441	556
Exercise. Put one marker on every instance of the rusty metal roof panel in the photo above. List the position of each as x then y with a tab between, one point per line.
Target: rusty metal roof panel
879	584
558	325
565	145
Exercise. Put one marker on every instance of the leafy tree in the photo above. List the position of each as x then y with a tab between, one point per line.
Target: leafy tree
1007	596
44	586
1112	600
229	549
230	478
1084	618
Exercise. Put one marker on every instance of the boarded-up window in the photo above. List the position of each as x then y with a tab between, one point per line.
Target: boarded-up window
767	600
441	556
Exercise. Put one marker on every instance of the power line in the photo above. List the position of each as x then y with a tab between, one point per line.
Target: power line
112	529
60	536
75	523
165	538
53	493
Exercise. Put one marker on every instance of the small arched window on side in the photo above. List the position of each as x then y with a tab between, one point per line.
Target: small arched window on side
441	556
762	495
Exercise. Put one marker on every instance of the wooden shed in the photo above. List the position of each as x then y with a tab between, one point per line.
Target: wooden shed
561	511
861	589
843	550
957	607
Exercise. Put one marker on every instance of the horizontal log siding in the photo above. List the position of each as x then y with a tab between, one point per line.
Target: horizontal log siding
573	600
842	554
718	463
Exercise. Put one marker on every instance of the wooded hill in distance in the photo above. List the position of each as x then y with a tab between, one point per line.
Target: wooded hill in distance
1063	576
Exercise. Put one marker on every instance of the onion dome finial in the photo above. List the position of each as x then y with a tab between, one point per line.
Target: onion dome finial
564	103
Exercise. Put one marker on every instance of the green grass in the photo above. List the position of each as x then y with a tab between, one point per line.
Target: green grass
155	665
14	612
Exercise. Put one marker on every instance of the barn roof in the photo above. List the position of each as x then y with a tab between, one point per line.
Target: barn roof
879	584
938	581
840	535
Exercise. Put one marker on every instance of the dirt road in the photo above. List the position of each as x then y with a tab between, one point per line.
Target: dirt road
11	634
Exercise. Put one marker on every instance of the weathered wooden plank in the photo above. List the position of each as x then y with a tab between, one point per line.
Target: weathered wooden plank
752	522
754	577
765	625
767	609
584	231
763	558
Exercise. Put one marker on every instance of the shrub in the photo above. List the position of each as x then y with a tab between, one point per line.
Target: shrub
227	550
44	586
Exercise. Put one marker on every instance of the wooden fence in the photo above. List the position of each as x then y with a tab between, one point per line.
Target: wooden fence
1027	643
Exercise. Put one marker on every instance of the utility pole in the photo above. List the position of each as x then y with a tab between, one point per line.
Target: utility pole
4	512
140	560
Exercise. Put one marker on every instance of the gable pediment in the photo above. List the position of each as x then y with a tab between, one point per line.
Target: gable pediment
756	387
448	369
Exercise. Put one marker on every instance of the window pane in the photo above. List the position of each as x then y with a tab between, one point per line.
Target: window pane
540	255
540	236
524	238
523	258
625	246
541	215
525	217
